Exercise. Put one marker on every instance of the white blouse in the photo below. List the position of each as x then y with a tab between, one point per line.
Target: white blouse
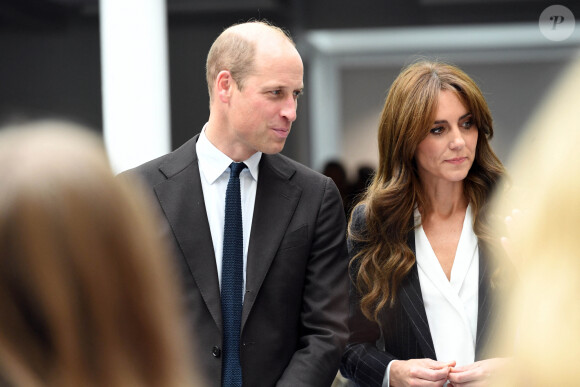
451	305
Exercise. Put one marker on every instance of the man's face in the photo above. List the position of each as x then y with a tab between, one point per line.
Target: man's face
261	114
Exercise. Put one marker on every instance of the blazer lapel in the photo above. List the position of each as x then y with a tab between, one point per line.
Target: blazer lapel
485	301
181	198
276	201
412	302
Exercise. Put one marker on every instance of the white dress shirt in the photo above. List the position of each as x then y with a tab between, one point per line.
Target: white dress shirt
215	173
451	305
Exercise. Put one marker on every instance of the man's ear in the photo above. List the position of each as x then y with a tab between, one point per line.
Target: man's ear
225	85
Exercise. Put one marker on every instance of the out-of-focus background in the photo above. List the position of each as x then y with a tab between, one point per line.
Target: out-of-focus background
51	58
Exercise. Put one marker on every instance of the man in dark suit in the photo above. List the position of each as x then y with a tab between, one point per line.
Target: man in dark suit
295	282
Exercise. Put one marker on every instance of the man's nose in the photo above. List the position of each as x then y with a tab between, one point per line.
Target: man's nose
289	109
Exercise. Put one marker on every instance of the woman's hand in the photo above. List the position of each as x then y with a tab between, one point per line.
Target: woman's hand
476	374
419	372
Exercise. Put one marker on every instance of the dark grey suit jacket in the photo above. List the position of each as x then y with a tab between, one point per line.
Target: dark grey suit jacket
294	319
403	332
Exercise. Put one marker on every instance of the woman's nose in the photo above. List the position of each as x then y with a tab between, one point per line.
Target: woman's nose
457	141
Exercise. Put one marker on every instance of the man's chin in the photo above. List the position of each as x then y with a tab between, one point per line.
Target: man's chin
271	150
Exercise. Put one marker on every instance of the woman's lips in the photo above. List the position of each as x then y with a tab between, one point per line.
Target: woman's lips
456	160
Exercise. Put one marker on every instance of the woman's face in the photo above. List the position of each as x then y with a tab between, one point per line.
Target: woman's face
448	151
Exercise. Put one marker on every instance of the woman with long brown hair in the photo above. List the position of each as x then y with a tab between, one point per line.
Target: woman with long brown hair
422	294
86	297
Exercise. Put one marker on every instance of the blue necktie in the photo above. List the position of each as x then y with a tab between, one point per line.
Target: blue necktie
232	280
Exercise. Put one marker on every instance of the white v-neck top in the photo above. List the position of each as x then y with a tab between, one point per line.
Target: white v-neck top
451	305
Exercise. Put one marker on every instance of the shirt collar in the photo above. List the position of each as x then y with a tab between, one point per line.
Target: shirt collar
213	163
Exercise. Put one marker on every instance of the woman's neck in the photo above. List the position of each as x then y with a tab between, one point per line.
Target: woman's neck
444	200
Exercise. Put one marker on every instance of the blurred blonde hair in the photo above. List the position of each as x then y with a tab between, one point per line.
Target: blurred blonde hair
545	308
86	298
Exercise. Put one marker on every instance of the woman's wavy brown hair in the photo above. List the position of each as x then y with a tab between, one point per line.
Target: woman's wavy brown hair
385	257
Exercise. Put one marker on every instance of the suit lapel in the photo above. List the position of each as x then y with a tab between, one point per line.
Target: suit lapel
485	302
412	302
276	201
181	198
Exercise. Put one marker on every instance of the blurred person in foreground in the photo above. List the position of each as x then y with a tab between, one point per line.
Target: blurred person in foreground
86	296
424	282
283	320
544	243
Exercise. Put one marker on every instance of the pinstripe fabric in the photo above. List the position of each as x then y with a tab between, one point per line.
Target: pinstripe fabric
403	332
486	314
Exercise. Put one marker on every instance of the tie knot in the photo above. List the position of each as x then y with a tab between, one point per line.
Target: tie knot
237	169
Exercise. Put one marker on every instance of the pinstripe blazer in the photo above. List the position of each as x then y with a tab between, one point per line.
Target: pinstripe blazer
403	332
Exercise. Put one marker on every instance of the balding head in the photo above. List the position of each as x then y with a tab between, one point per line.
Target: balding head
235	50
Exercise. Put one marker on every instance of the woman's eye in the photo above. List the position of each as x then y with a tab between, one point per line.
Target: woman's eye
467	124
437	130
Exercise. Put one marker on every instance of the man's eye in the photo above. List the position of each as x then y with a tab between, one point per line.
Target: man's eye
276	92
